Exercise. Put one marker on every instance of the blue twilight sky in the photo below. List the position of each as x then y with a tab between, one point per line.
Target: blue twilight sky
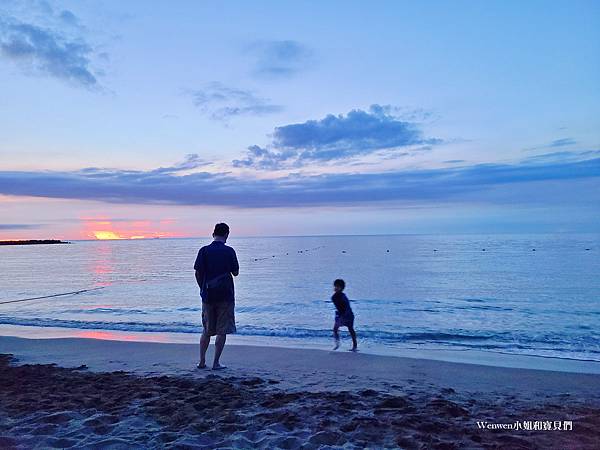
125	119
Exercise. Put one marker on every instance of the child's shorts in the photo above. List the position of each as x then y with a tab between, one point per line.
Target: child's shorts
344	320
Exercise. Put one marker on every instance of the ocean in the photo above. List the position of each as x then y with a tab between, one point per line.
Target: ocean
533	295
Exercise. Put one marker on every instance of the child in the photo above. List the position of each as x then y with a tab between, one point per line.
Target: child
344	317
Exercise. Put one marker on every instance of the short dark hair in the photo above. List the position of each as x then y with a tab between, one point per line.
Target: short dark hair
221	229
339	282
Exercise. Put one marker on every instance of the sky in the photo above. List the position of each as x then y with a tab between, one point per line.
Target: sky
158	119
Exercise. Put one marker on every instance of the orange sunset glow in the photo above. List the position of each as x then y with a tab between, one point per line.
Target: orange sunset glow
107	229
101	235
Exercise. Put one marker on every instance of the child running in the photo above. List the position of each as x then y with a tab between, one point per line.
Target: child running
344	317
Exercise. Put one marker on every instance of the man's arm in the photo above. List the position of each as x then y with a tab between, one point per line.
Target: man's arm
235	270
199	268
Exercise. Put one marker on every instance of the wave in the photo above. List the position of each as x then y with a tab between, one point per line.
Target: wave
196	327
464	340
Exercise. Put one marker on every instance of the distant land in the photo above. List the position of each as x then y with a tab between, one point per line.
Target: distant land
34	242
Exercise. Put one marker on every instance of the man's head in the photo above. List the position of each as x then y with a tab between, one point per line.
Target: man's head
221	231
339	285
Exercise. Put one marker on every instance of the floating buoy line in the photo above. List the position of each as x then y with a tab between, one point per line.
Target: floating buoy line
287	253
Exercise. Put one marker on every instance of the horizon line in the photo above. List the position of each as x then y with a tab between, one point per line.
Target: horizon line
322	235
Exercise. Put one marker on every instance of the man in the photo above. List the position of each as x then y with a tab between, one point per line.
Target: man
214	266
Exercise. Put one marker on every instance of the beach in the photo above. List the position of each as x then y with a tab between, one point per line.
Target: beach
91	393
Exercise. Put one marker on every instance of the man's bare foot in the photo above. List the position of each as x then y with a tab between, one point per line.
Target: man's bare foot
201	365
218	367
353	349
336	346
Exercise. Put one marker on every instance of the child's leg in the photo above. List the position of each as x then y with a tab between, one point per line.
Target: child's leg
353	334
336	336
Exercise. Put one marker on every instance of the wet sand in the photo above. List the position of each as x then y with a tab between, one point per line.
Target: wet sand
112	394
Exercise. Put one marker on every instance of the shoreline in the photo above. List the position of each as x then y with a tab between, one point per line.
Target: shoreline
469	356
75	392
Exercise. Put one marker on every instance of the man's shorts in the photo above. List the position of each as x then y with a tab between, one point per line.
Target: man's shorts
218	318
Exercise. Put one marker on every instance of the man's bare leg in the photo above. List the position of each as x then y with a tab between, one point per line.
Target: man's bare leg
204	342
219	344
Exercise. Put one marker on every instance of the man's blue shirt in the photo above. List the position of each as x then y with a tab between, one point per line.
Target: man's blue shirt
217	259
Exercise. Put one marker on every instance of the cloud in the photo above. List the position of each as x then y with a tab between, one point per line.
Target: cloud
564	156
69	18
261	158
47	51
357	133
19	226
562	142
279	59
484	183
362	130
221	102
190	162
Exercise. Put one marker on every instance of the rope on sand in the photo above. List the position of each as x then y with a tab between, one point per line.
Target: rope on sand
81	291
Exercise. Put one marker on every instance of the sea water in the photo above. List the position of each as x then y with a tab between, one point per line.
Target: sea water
521	294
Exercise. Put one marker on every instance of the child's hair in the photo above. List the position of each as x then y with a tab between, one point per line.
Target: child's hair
339	282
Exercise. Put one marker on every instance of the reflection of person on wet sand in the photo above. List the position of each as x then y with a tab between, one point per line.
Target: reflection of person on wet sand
344	316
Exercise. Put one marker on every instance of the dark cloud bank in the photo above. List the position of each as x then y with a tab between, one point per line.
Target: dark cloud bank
168	186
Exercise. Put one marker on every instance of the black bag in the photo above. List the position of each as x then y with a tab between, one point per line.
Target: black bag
216	289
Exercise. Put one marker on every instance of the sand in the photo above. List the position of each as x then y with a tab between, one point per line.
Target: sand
89	393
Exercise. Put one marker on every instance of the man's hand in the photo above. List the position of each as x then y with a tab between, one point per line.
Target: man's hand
199	278
236	273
